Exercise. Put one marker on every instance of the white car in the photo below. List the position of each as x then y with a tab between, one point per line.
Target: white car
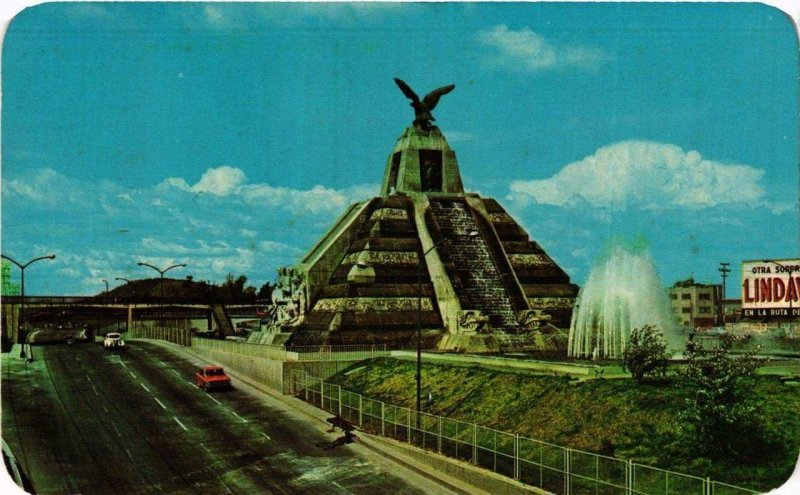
113	341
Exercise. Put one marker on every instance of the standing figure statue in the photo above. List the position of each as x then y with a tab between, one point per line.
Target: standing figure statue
422	109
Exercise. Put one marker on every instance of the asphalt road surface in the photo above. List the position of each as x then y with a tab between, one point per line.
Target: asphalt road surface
81	419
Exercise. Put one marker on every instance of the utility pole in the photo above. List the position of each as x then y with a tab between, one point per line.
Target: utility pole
724	271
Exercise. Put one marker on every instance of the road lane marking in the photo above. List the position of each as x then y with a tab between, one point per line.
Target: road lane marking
163	364
88	377
128	454
243	420
122	363
116	429
265	436
212	398
176	372
105	409
179	422
95	391
131	373
144	386
160	403
206	448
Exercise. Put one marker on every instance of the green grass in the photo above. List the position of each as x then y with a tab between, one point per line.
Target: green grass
611	417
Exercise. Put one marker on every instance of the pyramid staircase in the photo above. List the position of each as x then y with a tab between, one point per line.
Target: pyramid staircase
475	273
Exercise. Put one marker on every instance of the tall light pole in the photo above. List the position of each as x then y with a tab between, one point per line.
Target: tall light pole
22	267
724	271
419	320
105	321
161	282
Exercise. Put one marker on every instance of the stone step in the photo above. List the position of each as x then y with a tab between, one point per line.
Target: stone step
481	286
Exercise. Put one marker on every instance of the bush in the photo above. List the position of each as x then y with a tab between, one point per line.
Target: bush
645	354
718	412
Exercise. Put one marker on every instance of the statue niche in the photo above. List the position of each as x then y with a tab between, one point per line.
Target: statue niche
430	170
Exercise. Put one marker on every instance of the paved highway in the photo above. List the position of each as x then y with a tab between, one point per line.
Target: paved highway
83	420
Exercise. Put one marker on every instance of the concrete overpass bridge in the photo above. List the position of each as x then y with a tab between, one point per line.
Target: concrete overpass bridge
107	310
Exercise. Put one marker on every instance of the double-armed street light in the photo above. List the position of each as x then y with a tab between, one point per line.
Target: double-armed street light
161	282
21	338
472	233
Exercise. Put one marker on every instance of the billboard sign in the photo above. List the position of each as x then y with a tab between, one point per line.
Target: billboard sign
771	288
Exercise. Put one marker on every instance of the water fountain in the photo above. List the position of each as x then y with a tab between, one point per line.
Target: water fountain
623	292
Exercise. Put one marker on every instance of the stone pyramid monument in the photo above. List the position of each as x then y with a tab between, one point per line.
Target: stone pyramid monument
424	254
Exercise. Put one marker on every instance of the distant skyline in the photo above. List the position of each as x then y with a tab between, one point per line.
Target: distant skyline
230	136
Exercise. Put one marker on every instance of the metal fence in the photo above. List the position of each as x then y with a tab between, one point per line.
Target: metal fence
556	469
178	336
336	353
267	351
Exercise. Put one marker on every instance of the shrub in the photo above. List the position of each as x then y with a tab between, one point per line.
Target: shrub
718	411
645	354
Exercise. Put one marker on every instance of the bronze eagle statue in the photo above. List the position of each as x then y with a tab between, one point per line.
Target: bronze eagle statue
423	108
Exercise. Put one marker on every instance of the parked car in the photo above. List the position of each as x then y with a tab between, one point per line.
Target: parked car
212	377
113	341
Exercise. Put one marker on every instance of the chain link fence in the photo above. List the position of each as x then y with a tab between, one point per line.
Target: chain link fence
556	469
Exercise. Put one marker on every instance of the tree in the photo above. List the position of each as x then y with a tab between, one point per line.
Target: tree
718	411
645	354
265	292
234	288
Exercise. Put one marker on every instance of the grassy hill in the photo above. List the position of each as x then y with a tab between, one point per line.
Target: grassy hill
611	417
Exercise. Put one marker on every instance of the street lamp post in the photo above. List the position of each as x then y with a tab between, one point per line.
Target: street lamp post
161	282
20	319
105	296
419	320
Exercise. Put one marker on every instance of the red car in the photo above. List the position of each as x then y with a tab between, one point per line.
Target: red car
211	377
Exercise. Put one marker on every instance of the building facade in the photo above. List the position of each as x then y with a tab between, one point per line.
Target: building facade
696	305
9	288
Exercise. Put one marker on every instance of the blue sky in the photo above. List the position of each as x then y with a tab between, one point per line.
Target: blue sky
230	136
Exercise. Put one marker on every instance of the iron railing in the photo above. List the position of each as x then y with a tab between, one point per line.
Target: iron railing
556	469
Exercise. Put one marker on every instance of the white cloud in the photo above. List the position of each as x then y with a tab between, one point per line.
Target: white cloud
232	227
220	181
230	181
202	248
459	136
649	175
529	51
315	200
278	247
46	186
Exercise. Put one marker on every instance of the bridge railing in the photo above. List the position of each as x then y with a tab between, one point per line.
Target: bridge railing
298	354
175	335
267	351
554	468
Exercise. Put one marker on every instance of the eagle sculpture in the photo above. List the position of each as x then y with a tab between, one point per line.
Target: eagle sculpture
422	109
